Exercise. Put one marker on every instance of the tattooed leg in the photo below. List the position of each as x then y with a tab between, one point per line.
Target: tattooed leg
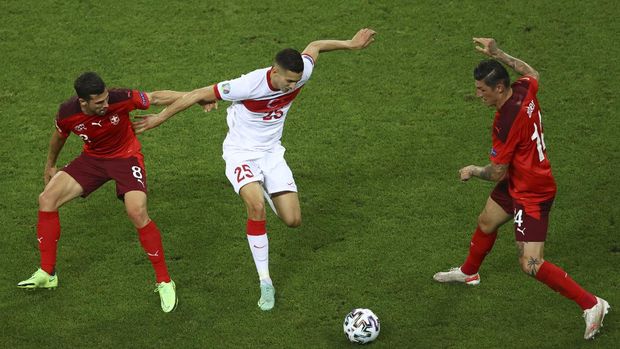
530	256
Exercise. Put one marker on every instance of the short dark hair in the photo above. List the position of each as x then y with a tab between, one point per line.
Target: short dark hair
492	72
88	84
290	59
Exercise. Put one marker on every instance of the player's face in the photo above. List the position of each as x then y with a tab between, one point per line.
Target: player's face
284	80
489	95
97	105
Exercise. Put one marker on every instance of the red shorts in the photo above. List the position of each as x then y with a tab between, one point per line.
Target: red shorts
91	173
531	220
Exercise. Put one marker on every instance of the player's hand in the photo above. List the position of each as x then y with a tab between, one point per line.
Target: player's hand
208	106
49	173
145	122
362	39
467	172
489	46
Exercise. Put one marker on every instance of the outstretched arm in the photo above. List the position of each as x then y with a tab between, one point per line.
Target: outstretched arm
165	97
360	40
489	48
204	96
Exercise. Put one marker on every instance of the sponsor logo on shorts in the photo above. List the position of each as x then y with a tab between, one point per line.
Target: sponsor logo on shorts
522	231
493	152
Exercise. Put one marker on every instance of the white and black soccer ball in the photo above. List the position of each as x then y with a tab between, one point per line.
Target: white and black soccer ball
361	326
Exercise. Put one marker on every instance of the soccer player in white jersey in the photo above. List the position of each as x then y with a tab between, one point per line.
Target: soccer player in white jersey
255	164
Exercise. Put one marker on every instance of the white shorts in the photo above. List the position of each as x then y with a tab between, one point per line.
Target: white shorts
269	168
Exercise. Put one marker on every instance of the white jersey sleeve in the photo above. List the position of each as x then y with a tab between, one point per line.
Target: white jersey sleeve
246	86
308	68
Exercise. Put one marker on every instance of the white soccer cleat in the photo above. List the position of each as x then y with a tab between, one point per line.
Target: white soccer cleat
267	297
456	275
594	317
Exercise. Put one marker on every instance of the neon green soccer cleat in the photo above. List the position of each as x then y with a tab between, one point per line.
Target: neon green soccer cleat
267	297
168	295
40	279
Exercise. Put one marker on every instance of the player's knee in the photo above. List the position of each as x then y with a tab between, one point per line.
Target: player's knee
292	221
530	264
48	201
485	224
256	208
138	216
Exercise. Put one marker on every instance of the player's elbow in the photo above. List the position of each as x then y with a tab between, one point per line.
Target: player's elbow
498	177
499	172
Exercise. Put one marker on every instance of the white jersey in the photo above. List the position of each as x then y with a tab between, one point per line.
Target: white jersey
256	116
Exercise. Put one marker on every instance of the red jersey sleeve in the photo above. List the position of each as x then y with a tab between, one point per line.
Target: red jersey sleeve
533	83
129	99
62	128
66	109
503	150
140	100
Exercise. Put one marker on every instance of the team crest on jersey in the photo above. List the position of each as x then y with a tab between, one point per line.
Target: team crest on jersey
79	128
226	88
114	119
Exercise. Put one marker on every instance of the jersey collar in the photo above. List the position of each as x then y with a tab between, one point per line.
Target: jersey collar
269	80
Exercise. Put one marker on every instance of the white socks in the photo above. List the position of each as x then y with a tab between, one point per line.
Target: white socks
259	245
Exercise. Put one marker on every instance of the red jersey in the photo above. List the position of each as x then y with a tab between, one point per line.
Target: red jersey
108	136
519	142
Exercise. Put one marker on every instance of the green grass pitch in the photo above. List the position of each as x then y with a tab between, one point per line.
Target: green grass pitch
375	141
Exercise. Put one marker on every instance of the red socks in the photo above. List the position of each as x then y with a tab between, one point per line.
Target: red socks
150	238
481	244
548	273
559	281
48	233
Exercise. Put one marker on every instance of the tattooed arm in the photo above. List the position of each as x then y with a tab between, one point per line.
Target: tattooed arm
491	172
489	48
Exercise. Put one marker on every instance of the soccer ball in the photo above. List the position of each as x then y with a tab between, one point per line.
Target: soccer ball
361	326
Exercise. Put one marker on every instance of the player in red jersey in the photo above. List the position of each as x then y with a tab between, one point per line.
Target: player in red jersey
100	117
525	190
